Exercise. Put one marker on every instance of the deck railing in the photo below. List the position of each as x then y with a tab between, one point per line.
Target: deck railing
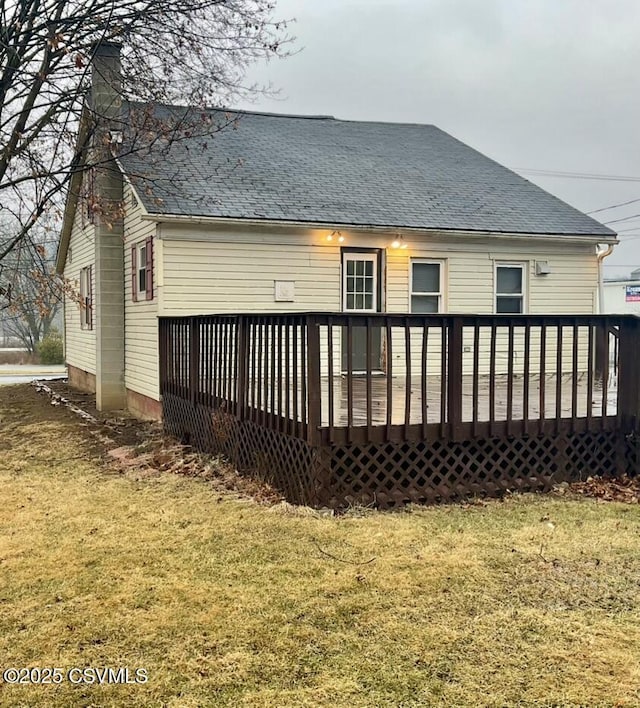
347	378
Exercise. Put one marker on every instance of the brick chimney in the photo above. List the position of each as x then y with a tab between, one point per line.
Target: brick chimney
106	105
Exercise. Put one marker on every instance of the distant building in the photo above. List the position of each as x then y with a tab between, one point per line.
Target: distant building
622	295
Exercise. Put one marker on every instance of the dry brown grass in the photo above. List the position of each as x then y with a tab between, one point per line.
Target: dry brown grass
18	358
534	601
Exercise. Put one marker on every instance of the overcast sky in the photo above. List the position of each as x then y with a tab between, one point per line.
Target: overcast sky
546	85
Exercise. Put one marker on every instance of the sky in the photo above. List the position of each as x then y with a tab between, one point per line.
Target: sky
541	86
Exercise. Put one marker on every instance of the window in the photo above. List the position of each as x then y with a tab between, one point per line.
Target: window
142	270
509	288
86	298
426	286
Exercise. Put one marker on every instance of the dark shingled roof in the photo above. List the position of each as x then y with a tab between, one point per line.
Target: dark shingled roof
323	170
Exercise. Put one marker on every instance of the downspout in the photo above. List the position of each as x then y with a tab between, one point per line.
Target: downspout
601	255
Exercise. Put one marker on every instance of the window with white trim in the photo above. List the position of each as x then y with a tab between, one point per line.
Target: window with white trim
142	270
509	288
426	286
86	298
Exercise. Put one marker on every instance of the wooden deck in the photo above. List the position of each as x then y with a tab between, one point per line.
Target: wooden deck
411	396
469	404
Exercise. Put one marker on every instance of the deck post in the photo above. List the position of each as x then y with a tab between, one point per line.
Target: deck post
314	414
454	377
629	375
194	358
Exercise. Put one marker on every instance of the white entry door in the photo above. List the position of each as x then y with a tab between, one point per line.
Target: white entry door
360	293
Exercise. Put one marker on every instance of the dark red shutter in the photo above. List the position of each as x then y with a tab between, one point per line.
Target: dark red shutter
134	275
149	267
89	301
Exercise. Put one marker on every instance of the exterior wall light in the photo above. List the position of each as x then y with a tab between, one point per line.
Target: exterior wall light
398	243
335	235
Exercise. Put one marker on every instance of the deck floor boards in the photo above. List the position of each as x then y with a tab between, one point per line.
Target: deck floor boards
398	400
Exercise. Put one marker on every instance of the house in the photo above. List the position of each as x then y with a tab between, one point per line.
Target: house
622	295
283	214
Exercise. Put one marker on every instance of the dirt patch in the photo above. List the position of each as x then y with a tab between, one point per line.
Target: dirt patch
140	448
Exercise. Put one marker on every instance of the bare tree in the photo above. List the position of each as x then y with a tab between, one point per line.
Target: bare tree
33	305
194	52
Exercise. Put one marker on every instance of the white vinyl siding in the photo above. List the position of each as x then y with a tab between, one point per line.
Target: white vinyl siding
227	271
80	343
141	318
234	270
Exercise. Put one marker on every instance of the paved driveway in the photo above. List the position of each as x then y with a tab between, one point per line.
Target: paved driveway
13	374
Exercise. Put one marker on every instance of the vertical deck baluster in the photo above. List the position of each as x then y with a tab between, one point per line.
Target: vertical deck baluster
314	381
259	373
559	347
424	373
294	374
574	377
475	395
407	386
510	358
605	371
330	382
287	377
526	377
272	375
543	378
444	378
492	377
590	367
349	379
389	372
251	366
368	369
280	372
303	371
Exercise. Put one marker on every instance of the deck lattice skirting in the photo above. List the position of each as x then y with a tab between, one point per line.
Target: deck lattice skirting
447	406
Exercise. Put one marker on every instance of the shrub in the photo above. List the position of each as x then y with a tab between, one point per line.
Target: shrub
50	349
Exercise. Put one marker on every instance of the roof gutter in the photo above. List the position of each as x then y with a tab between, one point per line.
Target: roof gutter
601	256
225	221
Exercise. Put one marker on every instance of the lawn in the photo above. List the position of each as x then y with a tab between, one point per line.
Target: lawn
530	601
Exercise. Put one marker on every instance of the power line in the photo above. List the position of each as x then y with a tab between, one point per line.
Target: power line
613	206
578	175
625	218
